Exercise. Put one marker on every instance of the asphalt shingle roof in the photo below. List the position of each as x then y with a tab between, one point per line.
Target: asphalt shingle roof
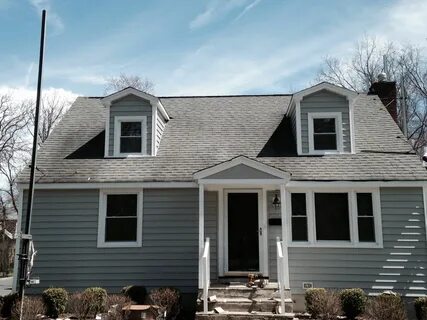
204	131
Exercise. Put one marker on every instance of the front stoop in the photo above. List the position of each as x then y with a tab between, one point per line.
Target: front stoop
241	302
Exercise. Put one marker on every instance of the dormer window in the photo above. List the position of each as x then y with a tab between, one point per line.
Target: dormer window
130	135
325	132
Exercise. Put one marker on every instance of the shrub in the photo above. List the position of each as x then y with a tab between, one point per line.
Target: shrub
385	307
7	304
169	301
87	304
33	308
353	302
55	300
322	304
420	305
137	294
96	298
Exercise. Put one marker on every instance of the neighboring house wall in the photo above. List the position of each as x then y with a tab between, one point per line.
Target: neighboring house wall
325	101
65	226
399	266
130	106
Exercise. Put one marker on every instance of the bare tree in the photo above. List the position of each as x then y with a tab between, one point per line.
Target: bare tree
123	81
53	108
405	65
6	242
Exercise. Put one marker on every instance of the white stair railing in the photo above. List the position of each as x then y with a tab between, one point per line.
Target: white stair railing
206	270
280	274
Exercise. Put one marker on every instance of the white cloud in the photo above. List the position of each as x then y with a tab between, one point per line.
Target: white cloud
214	11
52	18
247	8
22	94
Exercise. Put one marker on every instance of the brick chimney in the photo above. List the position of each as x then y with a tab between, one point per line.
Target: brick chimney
386	91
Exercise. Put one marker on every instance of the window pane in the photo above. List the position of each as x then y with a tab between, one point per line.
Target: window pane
299	229
364	204
120	229
131	129
366	229
324	125
130	145
325	142
298	204
332	216
122	205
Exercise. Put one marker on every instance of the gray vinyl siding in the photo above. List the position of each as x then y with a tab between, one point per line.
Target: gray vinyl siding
65	226
325	101
130	106
241	171
211	229
160	127
403	225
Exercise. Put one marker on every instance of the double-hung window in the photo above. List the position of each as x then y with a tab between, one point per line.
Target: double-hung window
299	217
120	219
325	132
335	218
130	135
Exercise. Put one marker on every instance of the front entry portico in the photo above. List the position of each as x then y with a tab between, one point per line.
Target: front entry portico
242	186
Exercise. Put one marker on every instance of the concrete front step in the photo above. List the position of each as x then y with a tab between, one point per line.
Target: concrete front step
247	305
242	316
241	291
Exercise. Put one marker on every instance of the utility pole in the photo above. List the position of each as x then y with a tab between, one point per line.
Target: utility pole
26	236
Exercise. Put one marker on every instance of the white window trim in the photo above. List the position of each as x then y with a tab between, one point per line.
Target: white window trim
103	213
338	131
117	129
354	237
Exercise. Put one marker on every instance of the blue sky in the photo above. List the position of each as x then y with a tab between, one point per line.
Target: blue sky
194	47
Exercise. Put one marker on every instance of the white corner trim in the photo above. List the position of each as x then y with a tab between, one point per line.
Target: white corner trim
106	101
107	132
245	161
117	128
352	125
18	229
201	232
102	217
153	130
425	208
338	132
298	127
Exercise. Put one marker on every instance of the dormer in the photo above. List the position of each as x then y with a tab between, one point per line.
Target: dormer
322	119
134	124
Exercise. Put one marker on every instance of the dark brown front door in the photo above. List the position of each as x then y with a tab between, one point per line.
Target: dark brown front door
243	248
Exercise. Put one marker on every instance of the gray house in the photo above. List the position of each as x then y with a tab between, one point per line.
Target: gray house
196	191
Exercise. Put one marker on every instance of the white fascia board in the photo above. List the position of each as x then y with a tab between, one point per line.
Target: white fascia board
298	96
245	161
106	101
112	185
354	184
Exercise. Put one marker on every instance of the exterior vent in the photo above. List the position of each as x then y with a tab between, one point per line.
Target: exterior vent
307	285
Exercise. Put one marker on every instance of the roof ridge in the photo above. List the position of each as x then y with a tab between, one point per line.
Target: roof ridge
210	96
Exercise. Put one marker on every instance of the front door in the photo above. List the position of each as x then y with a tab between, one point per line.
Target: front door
243	231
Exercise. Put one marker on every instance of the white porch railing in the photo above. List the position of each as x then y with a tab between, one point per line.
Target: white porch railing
206	274
281	274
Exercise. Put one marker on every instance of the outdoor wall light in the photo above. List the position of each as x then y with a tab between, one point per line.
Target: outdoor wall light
276	201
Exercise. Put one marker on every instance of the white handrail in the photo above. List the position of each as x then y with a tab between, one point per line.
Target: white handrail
280	274
206	269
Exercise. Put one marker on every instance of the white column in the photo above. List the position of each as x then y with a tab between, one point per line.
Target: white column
283	207
201	229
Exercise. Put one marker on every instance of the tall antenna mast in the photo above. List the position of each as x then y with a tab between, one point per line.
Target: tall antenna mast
26	238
